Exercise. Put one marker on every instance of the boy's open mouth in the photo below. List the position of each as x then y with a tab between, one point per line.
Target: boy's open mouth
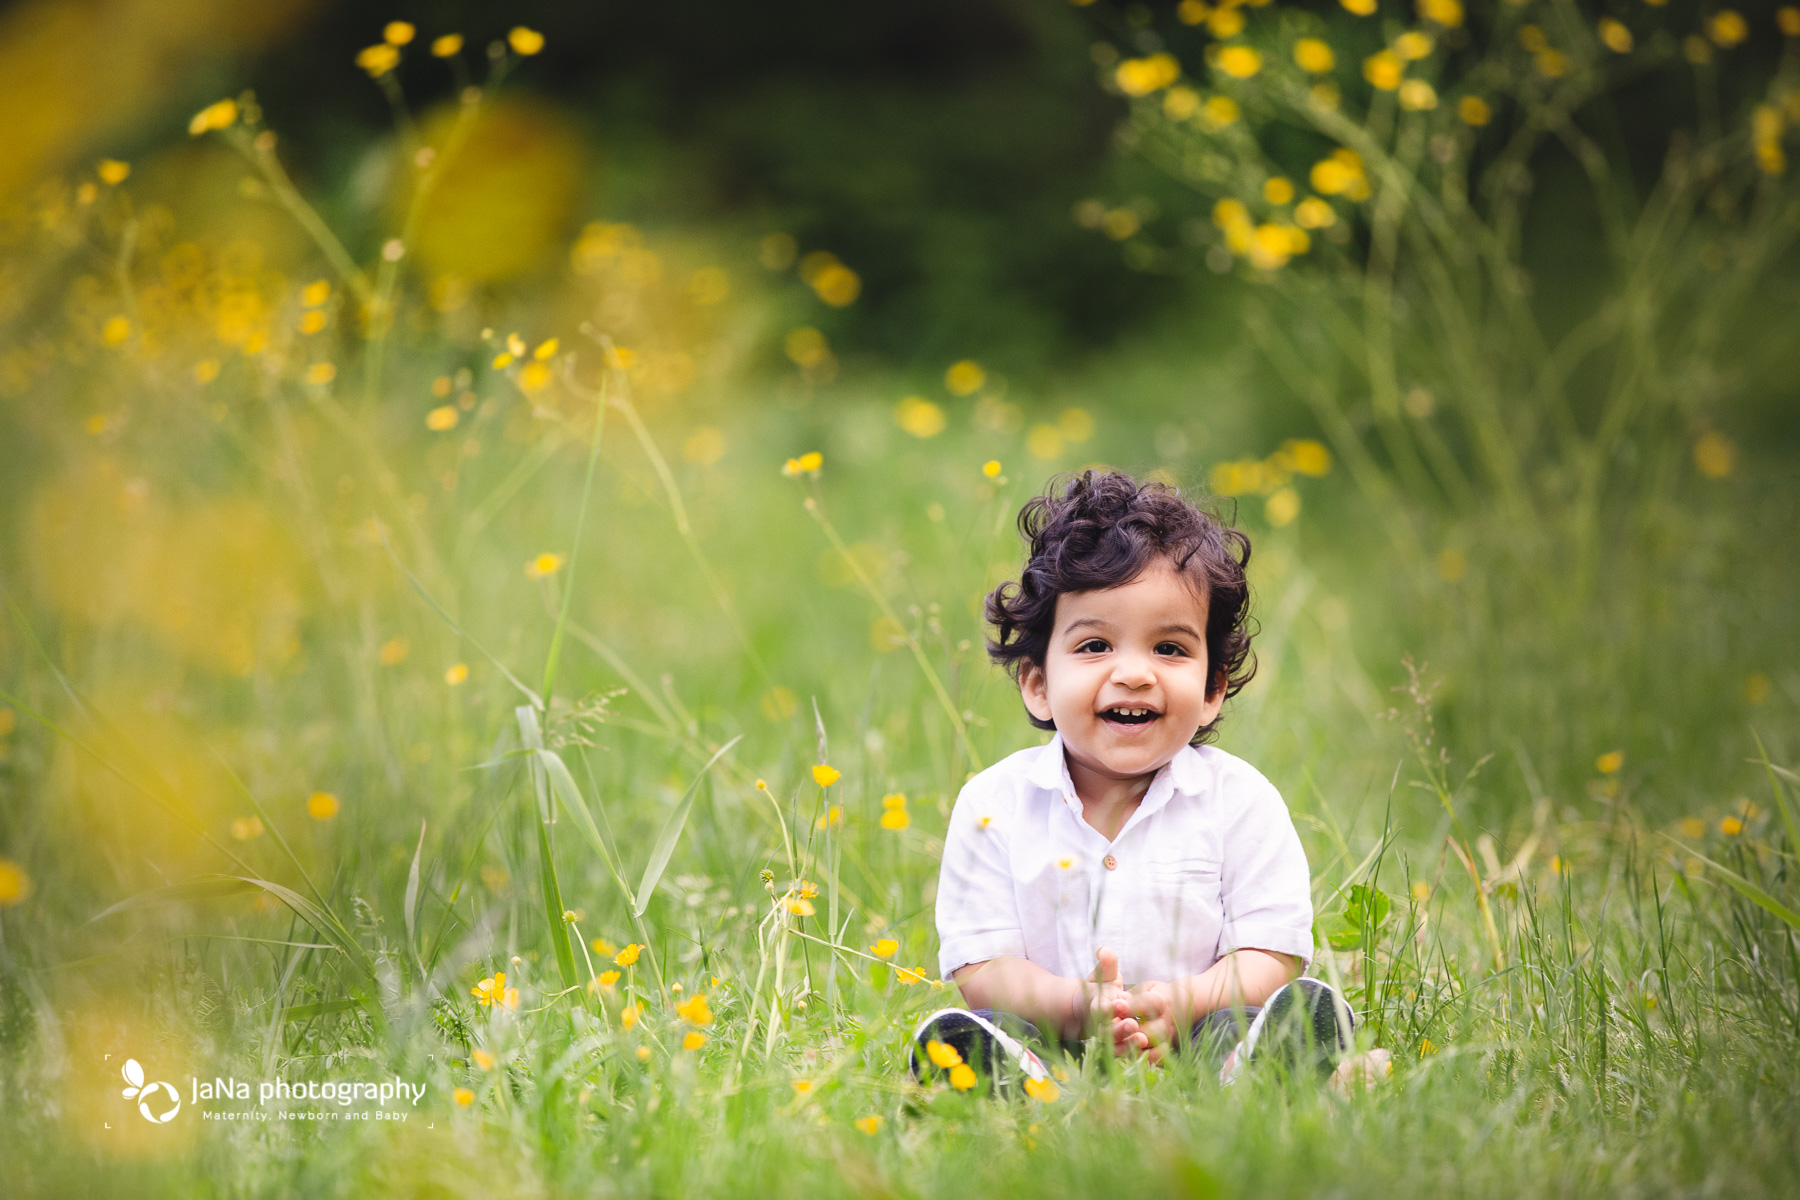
1121	715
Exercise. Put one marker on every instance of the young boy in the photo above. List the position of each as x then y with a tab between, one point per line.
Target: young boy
1126	879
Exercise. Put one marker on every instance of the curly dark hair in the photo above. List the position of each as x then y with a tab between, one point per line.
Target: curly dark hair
1102	531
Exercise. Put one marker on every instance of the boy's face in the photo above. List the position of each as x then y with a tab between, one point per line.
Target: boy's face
1126	676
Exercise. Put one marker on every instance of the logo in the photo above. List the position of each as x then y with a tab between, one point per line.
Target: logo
143	1093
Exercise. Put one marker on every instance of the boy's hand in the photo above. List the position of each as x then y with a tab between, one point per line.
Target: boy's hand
1103	1003
1153	1008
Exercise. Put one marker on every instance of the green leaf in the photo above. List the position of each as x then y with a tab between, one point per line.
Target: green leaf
1367	910
671	833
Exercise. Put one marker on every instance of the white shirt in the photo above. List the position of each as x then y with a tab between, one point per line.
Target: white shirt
1209	863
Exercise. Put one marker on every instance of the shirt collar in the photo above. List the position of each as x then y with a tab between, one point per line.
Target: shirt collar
1185	773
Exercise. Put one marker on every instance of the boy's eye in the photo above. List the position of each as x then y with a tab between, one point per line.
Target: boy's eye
1091	646
1170	649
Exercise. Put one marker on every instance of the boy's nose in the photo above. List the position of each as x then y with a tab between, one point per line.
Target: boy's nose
1133	671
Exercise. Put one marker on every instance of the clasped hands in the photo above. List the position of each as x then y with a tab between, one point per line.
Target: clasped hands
1140	1019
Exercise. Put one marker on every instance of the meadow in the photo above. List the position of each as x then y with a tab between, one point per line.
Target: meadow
534	658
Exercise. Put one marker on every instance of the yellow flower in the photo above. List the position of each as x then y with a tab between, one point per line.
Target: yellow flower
895	819
1474	111
1239	62
1418	96
394	651
801	907
620	358
944	1056
321	806
534	378
962	1077
811	461
116	330
525	41
1787	19
1277	190
919	417
1616	37
312	322
546	349
1044	1091
1421	891
909	976
246	829
112	171
885	948
321	373
15	884
803	1086
1314	213
628	1019
442	419
206	370
490	992
1180	103
1383	70
832	818
447	45
1359	8
398	33
608	978
1340	174
1727	28
1314	55
1426	1048
1225	22
220	115
1141	76
628	955
694	1040
544	565
695	1010
1552	64
315	293
870	1124
463	1096
991	468
378	59
1448	13
1715	455
1693	828
965	378
456	673
1412	46
825	775
1281	508
1219	111
836	284
483	1059
1731	826
1610	762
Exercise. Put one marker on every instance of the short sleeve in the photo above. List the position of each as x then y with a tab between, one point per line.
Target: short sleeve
977	908
1265	884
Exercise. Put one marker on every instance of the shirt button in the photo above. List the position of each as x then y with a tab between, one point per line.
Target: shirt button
1112	864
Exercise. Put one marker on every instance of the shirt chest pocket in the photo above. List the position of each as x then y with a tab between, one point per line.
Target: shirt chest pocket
1187	891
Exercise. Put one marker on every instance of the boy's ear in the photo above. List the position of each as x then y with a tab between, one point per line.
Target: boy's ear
1034	689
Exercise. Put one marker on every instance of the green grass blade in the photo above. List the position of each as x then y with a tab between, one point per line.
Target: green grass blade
1781	801
412	903
1746	889
587	490
671	833
532	735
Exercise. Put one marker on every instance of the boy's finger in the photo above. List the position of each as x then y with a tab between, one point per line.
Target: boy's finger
1106	965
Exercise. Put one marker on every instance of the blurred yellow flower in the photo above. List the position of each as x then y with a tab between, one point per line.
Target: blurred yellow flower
825	775
1757	688
1413	45
1615	36
1141	76
629	1015
544	565
1044	443
1727	28
220	115
621	358
1239	62
1278	190
885	948
1044	1091
803	1087
1282	507
1421	891
1314	55
607	979
1787	19
991	468
206	370
1308	457
15	884
534	378
628	955
321	373
965	377
811	461
482	1059
490	992
1552	64
962	1077
837	285
525	41
1715	455
546	349
894	814
112	171
694	1040
1610	762
870	1124
1225	22
1271	246
246	829
1448	13
115	331
378	59
1693	828
1076	425
442	418
1418	96
463	1097
1474	111
1359	8
1383	70
1426	1049
801	907
457	673
447	45
805	346
1340	174
398	33
1731	826
919	417
394	651
705	446
1180	103
1314	213
312	322
832	817
695	1010
315	293
942	1055
321	806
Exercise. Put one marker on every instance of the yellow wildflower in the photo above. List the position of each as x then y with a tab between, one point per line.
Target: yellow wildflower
643	1054
628	955
116	330
442	419
245	829
1225	22
1474	111
1314	55
825	775
1239	62
321	373
1141	76
1552	64
378	59
801	907
456	673
447	45
895	819
1359	8
1693	828
1418	96
991	468
885	948
321	806
628	1019
803	1087
315	293
811	461
964	378
112	171
546	349
1715	455
694	1040
394	651
1421	891
1192	12
1727	28
1180	103
695	1010
836	284
1610	762
1314	213
544	565
870	1124
942	1054
1044	1091
220	115
1277	190
206	370
1383	70
1787	19
1448	13
525	41
1426	1048
483	1059
909	976
1731	826
15	884
1281	508
492	991
919	417
1413	45
962	1077
463	1096
608	978
398	33
1616	37
1219	111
